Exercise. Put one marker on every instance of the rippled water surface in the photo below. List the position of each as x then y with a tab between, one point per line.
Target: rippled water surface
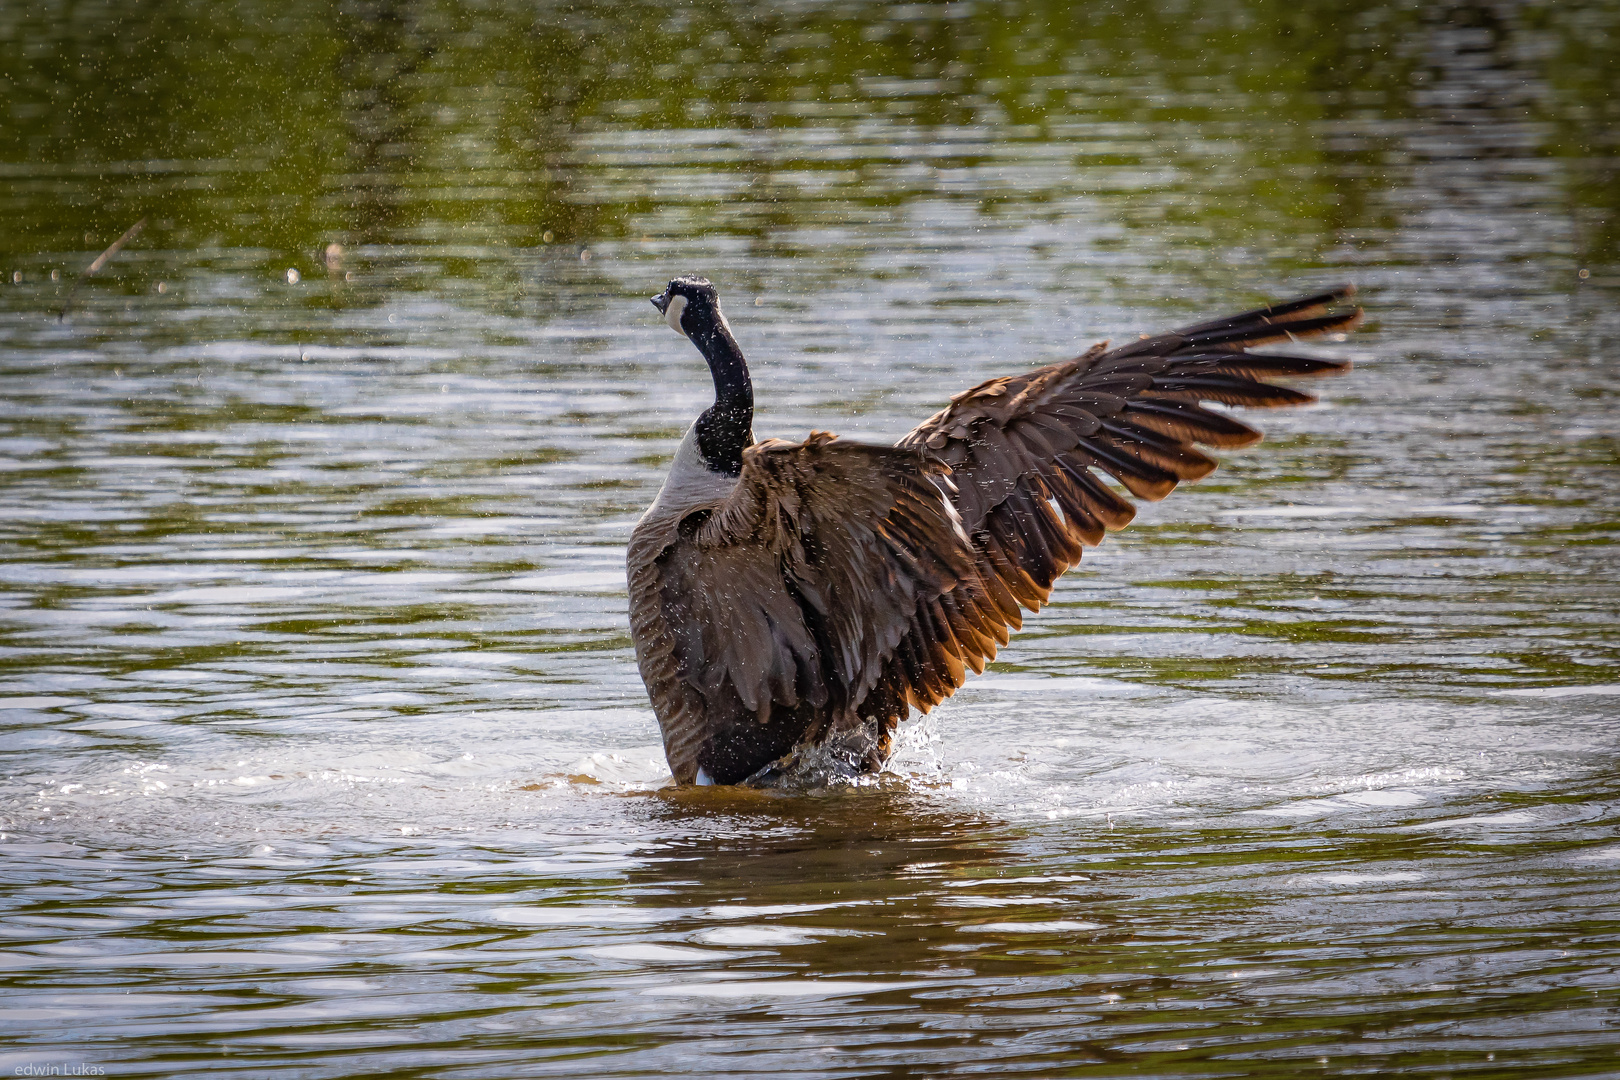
324	748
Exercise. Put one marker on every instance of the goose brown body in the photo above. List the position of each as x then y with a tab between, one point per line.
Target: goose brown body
811	594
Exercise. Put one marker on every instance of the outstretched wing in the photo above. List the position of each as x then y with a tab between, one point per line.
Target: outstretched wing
1025	453
779	605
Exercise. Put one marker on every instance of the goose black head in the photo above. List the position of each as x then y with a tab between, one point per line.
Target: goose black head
692	308
690	305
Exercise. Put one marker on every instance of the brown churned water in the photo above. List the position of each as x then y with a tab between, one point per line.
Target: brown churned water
324	749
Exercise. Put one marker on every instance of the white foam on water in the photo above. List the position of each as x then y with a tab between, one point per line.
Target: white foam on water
1599	689
761	936
575	916
1370	878
1058	926
654	954
745	988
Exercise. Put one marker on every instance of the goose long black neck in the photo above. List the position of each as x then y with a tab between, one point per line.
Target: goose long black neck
727	426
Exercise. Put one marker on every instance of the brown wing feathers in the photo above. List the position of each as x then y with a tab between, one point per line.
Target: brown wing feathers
1026	452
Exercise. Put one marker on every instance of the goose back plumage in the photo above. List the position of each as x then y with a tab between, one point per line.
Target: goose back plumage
763	617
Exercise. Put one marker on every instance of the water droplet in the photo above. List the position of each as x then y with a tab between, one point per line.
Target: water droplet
1583	274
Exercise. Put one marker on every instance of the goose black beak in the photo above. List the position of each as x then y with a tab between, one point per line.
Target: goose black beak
661	301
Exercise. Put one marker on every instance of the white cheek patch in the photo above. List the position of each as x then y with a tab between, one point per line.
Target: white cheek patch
672	314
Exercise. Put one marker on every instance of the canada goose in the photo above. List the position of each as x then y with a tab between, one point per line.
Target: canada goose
788	597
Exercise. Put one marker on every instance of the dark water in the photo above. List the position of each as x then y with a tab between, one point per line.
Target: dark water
325	753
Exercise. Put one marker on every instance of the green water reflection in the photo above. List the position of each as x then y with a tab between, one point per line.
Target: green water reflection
281	129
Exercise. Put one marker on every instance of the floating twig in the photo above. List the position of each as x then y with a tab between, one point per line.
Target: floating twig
101	260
